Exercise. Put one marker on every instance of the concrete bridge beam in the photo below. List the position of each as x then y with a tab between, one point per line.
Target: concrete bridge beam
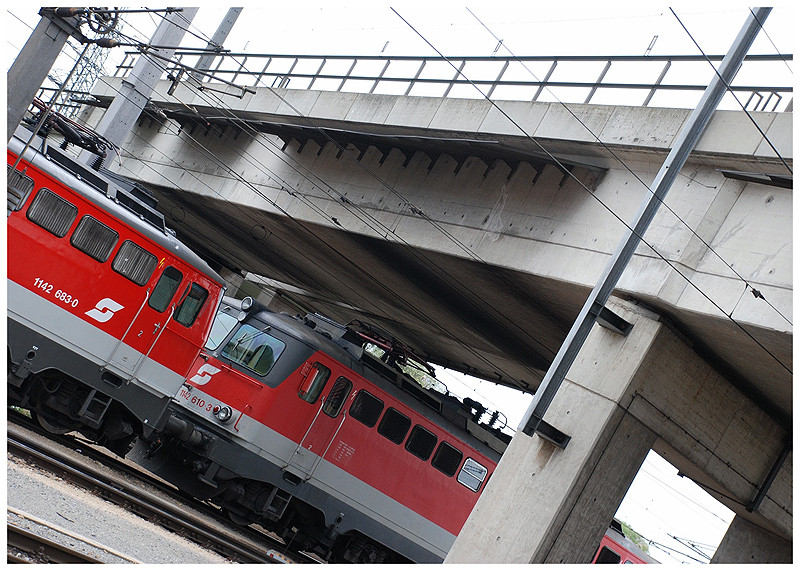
622	397
745	542
564	500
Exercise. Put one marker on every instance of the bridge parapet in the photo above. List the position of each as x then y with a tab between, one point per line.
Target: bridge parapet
661	81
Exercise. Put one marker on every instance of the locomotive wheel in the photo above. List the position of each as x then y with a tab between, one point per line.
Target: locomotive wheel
372	554
237	518
52	426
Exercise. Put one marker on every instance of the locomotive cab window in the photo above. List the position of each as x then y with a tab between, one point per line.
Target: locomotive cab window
254	349
447	459
94	238
366	408
165	288
313	382
472	474
337	397
421	442
223	324
191	305
394	425
134	262
52	212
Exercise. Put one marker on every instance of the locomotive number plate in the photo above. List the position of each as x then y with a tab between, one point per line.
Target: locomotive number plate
59	294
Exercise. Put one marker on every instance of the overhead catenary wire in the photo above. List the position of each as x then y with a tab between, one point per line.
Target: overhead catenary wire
348	205
409	203
325	244
624	164
728	87
641	238
232	117
761	25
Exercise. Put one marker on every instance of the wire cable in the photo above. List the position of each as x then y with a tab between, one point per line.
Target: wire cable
668	262
752	120
322	241
708	246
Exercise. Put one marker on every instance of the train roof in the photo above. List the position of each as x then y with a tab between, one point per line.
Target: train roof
124	199
336	340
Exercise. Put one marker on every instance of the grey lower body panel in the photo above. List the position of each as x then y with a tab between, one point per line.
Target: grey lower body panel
48	353
334	493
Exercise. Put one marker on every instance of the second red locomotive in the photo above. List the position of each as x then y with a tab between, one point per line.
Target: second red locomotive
290	423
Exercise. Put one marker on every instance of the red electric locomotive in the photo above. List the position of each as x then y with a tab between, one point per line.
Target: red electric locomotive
292	424
615	548
107	310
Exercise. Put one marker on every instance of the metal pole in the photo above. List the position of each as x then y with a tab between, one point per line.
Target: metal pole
135	91
219	37
666	175
31	66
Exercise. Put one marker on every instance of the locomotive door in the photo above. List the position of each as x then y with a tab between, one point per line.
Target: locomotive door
321	432
149	321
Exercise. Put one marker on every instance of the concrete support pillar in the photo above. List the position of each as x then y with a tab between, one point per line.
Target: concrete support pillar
544	504
745	542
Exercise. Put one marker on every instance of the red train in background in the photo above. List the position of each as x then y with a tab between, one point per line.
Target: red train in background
107	310
615	548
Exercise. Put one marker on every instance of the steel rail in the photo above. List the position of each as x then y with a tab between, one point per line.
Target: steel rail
139	474
144	503
40	549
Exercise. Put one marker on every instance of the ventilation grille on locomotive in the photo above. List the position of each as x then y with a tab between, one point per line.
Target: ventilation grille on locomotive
52	212
94	238
134	263
19	186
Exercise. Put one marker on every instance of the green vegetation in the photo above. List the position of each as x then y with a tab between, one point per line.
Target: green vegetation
635	537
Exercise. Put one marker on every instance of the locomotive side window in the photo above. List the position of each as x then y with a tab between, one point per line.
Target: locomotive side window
19	187
472	474
608	556
366	408
134	262
223	324
421	442
190	307
52	212
394	425
314	382
254	349
165	288
447	459
94	238
339	393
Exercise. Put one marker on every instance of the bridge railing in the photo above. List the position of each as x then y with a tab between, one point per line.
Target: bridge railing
656	81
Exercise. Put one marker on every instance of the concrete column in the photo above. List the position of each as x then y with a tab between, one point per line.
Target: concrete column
544	504
745	542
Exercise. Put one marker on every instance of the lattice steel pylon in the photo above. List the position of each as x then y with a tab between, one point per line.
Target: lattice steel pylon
89	68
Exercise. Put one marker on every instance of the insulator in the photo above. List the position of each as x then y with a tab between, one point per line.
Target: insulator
68	12
106	42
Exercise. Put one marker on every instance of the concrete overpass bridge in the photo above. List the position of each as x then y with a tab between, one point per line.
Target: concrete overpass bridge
474	230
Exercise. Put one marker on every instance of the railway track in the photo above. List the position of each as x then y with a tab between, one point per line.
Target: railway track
118	485
24	546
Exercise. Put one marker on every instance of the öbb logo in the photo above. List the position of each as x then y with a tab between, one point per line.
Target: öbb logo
104	310
204	374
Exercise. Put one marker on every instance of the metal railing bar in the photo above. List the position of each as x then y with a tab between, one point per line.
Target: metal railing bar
497	79
598	82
